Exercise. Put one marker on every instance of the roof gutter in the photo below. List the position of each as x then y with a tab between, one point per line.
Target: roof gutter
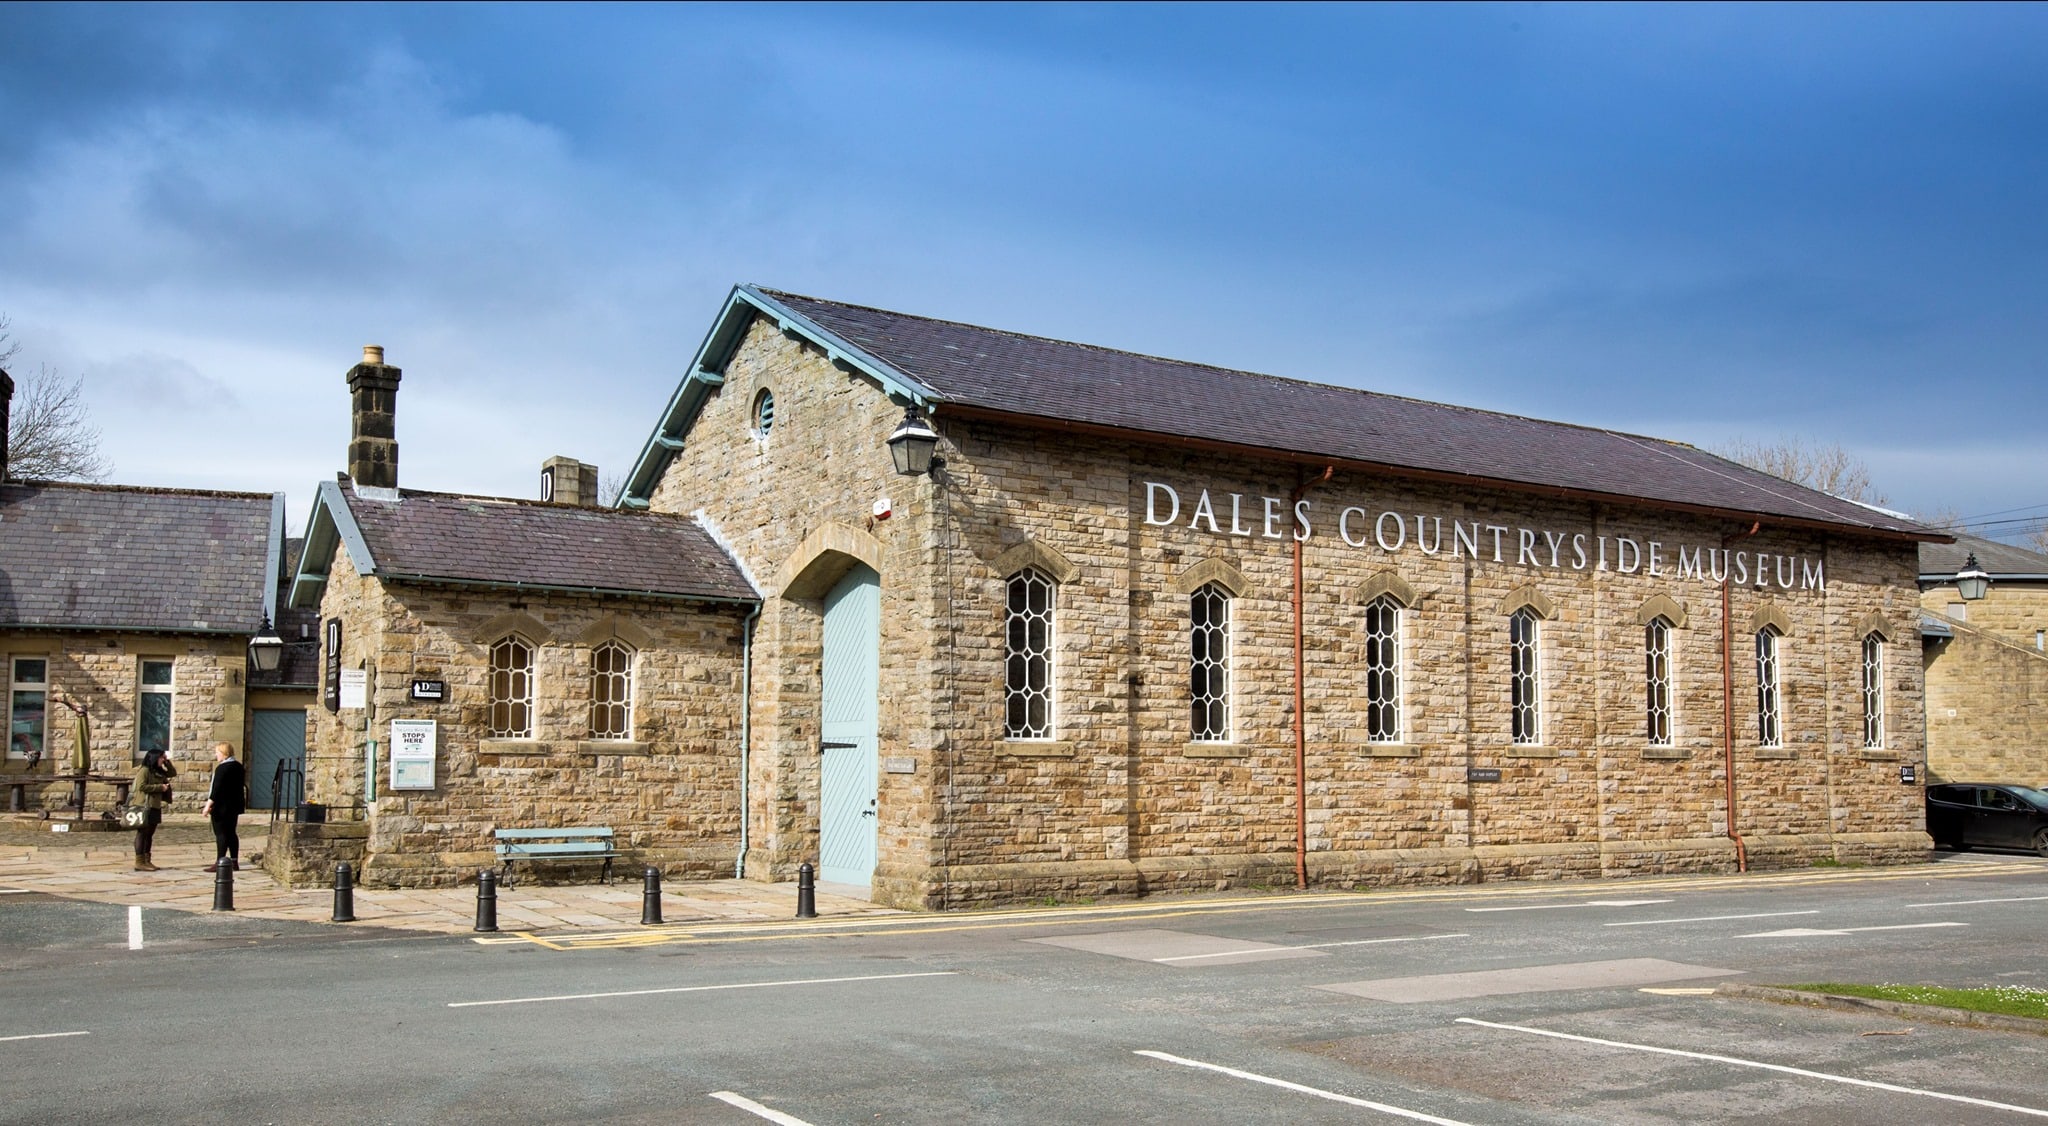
1317	461
553	588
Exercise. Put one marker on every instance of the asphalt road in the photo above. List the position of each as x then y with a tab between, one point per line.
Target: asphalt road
1517	1004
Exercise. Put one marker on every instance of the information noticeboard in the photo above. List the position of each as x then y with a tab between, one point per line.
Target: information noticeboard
412	754
355	688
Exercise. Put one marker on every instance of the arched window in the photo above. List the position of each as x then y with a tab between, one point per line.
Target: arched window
1027	656
1525	682
1383	670
1209	664
511	688
611	691
1873	691
1769	697
1657	682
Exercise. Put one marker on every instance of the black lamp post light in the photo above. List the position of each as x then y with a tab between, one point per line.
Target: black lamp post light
914	445
266	649
1971	581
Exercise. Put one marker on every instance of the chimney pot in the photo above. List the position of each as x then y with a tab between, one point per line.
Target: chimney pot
373	353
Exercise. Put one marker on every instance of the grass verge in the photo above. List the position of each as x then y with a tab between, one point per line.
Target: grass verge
2005	1000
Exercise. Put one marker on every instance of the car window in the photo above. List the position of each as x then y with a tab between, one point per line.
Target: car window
1997	799
2032	796
1955	795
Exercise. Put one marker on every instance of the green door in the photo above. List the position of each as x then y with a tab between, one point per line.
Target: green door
280	735
848	763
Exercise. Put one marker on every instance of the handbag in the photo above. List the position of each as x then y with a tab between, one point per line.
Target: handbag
132	816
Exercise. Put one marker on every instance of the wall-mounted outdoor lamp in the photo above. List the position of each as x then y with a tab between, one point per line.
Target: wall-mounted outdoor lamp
266	649
913	445
1971	581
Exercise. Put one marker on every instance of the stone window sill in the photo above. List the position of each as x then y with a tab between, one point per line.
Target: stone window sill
1667	754
1393	750
1878	754
1530	752
1025	748
512	747
1215	750
613	747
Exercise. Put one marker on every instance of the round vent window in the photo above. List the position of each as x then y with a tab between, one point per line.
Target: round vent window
764	413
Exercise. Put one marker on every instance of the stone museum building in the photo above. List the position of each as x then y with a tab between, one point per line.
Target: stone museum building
966	617
1986	660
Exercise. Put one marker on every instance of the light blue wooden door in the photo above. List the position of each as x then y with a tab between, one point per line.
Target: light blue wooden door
852	685
279	735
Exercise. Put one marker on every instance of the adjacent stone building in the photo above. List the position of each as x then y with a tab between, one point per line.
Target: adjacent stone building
1986	663
1150	624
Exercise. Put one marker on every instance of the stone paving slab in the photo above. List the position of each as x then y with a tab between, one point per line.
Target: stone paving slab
103	873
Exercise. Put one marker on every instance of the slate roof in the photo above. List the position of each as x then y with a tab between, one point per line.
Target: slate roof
985	369
2002	561
78	556
497	541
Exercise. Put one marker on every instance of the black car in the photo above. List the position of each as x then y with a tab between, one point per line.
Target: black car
1990	814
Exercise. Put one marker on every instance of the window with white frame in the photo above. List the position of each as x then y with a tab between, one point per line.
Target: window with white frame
1873	691
511	688
1209	664
1525	682
153	701
1769	697
1383	670
28	695
1027	656
611	691
1657	682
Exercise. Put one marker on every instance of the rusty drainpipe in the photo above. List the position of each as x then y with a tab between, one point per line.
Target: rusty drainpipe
1301	697
1728	694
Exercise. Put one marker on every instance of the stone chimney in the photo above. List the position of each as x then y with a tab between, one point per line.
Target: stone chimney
564	480
373	440
6	404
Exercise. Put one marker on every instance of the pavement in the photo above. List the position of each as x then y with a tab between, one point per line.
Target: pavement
99	867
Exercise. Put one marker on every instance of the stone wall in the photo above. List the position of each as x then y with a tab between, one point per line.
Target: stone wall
1987	693
670	794
1122	802
101	671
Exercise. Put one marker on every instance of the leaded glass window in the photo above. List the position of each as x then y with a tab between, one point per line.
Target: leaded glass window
1657	682
611	691
1209	664
1873	691
1383	671
511	689
1027	656
1769	700
1525	696
27	700
153	702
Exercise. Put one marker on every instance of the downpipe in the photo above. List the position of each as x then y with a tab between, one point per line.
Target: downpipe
1301	696
1728	695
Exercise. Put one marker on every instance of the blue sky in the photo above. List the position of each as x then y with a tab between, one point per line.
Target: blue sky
1707	223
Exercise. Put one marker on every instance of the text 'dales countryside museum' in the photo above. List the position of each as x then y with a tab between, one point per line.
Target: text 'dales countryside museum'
972	617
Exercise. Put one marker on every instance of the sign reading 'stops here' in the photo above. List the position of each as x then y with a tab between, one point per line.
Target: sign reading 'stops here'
1262	517
412	754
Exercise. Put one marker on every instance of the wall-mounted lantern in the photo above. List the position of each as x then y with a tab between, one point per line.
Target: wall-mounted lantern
913	445
1971	581
266	649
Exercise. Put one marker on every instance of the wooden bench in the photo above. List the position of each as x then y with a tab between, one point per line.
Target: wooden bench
554	844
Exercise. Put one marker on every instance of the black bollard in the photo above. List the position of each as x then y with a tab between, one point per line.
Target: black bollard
344	893
650	896
486	900
806	892
224	885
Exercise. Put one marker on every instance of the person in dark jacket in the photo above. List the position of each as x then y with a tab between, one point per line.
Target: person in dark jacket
225	801
152	791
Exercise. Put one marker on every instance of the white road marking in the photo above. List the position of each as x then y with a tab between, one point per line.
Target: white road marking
1761	1066
134	927
1316	1091
1707	918
1681	991
1313	946
43	1036
756	1109
1802	932
696	989
17	891
1972	902
1557	906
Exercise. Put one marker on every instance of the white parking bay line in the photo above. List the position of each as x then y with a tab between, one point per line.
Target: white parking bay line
757	1110
1401	1112
42	1036
1974	902
1761	1066
1560	906
696	989
1708	918
134	927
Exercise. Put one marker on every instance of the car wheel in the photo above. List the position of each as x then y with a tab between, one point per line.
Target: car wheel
2041	842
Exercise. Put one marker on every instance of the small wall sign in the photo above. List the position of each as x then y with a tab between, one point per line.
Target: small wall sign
330	681
1909	773
899	764
355	688
429	689
412	754
1482	774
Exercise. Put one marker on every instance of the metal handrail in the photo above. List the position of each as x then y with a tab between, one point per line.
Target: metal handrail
287	786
